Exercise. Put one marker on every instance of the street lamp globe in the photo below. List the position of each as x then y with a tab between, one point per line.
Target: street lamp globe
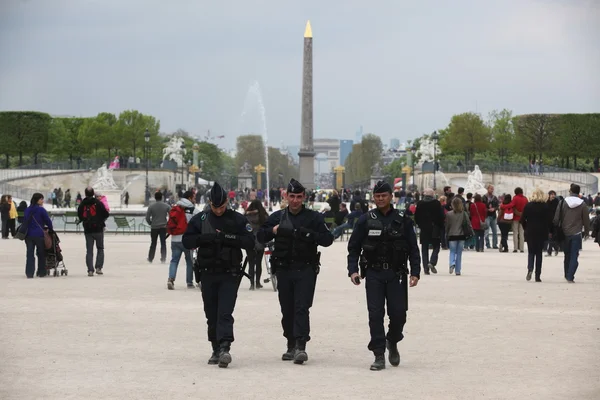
147	136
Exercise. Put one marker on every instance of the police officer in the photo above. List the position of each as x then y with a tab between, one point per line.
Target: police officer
297	232
386	239
219	234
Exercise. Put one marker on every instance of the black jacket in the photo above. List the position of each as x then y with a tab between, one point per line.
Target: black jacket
101	215
429	217
306	218
536	220
233	226
359	235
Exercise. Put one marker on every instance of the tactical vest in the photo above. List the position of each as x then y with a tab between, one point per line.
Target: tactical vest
290	251
218	257
385	246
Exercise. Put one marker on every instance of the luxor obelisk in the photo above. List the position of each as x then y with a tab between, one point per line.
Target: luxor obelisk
307	153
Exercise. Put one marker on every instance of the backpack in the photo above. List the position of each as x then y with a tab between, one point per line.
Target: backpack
90	217
177	224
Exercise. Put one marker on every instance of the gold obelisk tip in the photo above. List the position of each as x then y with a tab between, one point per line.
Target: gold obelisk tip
308	31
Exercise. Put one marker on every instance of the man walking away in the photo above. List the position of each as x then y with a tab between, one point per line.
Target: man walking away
573	215
552	205
429	217
179	216
156	217
492	204
93	215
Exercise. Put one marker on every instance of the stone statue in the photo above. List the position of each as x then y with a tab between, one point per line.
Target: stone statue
173	151
475	181
245	169
377	170
104	180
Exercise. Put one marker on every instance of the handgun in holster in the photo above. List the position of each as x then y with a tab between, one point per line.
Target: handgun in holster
362	264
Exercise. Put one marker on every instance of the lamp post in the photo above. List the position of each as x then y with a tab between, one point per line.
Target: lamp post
413	151
147	191
434	138
182	164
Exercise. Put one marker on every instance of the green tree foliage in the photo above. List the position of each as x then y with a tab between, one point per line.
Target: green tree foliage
576	136
394	169
131	128
535	133
502	133
281	169
250	148
360	162
26	132
466	134
71	141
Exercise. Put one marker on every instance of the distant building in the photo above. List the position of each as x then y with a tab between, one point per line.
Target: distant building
394	144
359	134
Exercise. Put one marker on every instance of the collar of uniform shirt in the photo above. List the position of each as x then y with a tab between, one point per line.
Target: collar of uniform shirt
299	212
391	210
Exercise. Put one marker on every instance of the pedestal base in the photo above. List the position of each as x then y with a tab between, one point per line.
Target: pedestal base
307	170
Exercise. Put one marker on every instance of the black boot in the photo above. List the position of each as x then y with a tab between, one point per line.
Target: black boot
214	358
289	354
529	273
258	285
393	354
379	363
300	355
224	356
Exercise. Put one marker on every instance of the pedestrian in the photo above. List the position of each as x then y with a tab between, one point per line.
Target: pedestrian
53	197
78	199
68	198
5	213
492	204
517	204
157	215
12	216
334	202
350	221
478	213
257	216
93	215
36	218
536	219
21	211
384	240
429	217
552	244
126	199
219	234
505	218
572	218
297	232
458	230
179	217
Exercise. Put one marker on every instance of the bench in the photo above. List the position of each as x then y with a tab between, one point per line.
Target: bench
71	218
143	226
124	223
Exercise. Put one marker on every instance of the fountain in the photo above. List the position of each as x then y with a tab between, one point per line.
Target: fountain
254	91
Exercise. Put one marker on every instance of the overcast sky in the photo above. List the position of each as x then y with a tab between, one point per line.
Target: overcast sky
398	68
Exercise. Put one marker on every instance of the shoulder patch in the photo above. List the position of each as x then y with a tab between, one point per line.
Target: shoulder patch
373	215
248	228
203	216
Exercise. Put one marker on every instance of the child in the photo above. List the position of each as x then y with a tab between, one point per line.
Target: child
104	201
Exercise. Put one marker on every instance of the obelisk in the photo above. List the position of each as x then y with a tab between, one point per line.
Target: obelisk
307	153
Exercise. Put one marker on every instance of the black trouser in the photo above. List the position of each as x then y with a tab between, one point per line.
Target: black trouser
479	240
381	286
534	255
550	245
90	239
154	234
296	290
5	227
219	293
35	246
504	229
425	253
12	227
255	264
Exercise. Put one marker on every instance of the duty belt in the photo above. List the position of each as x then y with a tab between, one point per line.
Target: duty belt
384	265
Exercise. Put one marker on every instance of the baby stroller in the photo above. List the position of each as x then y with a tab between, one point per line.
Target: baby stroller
54	257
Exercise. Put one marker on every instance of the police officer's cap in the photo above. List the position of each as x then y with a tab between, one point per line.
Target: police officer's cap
295	187
382	187
218	197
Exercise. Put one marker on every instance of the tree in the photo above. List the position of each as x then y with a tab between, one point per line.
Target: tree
534	134
26	132
466	134
8	140
250	148
71	143
573	130
363	157
502	133
281	170
132	126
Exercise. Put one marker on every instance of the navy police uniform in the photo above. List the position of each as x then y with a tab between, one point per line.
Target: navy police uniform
219	240
295	261
382	244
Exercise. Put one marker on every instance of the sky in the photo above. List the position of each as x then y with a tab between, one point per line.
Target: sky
398	68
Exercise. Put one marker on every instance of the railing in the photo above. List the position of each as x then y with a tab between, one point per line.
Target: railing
87	164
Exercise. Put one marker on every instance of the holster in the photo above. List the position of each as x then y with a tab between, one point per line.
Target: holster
362	264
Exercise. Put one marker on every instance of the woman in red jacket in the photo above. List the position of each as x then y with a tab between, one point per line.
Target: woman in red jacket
478	213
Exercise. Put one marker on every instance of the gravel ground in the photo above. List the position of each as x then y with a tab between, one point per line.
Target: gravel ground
487	334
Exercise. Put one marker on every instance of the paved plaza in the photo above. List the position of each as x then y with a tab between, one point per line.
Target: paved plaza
487	334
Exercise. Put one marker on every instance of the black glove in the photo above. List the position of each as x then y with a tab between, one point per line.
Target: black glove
306	235
285	232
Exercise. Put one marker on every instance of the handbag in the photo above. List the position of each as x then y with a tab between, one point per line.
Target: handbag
23	228
482	224
559	235
509	216
467	228
47	237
